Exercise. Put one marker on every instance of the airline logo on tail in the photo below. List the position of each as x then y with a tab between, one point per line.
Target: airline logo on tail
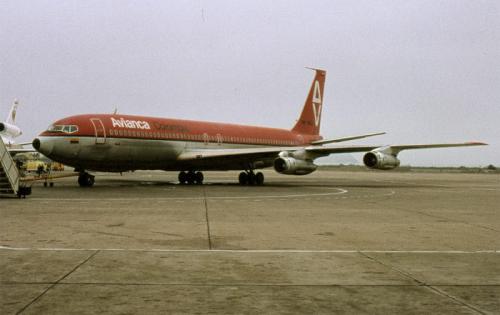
310	119
317	103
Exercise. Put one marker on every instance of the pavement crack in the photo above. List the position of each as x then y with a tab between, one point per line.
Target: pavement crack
424	284
453	220
205	202
57	282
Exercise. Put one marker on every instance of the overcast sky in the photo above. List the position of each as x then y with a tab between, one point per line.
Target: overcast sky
423	71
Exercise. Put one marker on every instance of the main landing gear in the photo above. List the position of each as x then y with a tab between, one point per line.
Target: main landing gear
191	178
85	179
245	178
251	178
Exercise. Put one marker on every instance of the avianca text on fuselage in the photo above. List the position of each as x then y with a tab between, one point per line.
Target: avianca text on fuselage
99	142
132	124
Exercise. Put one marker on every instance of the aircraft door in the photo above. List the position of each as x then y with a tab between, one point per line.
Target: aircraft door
100	132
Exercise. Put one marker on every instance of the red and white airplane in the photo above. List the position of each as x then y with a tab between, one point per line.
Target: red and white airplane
118	143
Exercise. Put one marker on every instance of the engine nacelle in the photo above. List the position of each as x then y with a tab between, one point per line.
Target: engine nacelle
10	130
380	161
291	166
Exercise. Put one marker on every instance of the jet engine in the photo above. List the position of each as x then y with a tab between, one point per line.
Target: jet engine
380	161
10	130
292	166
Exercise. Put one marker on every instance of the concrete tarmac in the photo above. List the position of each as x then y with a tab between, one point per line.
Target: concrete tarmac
329	242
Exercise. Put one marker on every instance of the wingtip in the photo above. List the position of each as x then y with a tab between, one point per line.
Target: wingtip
476	143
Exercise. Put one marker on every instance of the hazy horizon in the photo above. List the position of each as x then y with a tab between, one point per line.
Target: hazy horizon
422	71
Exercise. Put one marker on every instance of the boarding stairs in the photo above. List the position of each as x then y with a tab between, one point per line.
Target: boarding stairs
9	174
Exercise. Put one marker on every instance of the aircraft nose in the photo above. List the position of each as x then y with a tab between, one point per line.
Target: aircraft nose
43	146
36	143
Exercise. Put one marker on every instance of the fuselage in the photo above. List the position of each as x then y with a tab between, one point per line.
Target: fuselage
116	143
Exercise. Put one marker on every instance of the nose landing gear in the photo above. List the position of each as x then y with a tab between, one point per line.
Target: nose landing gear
85	179
251	178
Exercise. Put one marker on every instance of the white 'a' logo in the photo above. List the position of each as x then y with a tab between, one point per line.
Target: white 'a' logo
316	103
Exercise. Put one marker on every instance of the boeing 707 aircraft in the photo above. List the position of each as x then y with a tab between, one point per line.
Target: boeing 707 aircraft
119	143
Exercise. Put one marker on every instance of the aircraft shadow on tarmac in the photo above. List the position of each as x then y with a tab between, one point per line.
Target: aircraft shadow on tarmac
282	184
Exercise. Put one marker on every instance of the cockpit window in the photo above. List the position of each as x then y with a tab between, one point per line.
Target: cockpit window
63	128
55	128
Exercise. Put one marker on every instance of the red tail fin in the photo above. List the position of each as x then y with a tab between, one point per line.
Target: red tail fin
310	119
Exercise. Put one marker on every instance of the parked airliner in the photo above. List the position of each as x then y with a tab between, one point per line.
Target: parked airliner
8	129
119	143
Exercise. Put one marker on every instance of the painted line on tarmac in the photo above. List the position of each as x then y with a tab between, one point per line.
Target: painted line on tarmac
263	251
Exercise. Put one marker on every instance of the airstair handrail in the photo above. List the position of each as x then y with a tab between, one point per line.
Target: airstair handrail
9	167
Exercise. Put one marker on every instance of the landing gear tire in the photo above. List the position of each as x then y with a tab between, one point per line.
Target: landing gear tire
86	180
250	178
198	178
259	179
243	178
183	178
191	178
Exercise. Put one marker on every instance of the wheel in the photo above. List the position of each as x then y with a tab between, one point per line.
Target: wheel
198	178
82	181
251	178
259	178
86	180
243	178
51	184
191	177
182	178
90	181
44	184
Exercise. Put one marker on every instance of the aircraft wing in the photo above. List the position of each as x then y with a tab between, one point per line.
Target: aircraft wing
228	153
389	149
398	148
311	151
222	159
